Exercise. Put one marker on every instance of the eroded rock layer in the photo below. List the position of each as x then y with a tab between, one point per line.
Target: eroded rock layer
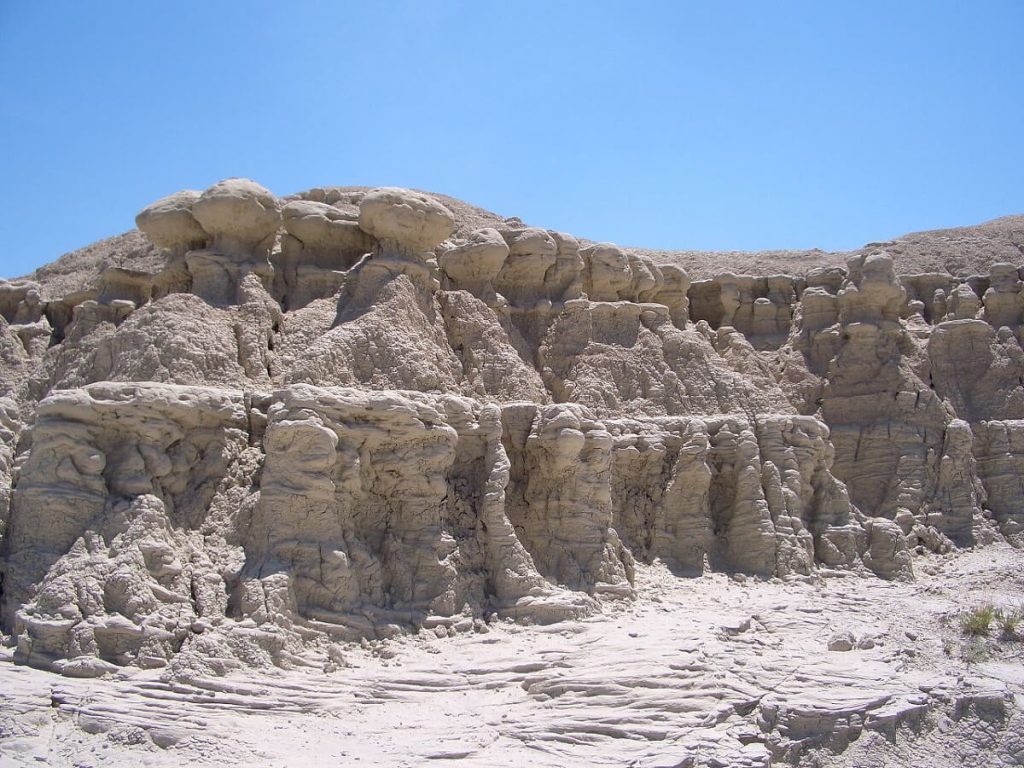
351	414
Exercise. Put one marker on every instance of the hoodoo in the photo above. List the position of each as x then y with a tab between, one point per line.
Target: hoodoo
265	425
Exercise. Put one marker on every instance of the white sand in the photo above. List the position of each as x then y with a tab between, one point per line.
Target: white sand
705	671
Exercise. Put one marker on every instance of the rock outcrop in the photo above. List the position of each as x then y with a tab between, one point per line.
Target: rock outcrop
354	413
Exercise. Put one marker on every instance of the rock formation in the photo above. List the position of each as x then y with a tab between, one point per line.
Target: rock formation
355	413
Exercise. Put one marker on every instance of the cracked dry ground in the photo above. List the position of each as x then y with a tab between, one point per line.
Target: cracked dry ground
696	672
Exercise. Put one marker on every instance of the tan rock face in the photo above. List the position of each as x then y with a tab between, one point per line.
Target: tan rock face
406	221
323	227
321	243
10	427
474	264
353	413
136	465
531	253
239	214
170	223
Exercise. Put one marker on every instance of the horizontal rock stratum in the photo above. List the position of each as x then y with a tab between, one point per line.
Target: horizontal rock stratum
267	425
352	410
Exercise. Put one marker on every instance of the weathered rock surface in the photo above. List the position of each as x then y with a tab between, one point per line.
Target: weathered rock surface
835	673
170	223
356	414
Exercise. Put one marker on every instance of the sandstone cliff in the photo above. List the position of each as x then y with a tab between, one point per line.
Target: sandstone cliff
267	424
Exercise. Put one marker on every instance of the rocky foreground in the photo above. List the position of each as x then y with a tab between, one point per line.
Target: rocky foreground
843	671
334	450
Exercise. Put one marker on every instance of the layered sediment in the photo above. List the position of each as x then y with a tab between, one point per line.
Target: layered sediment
357	413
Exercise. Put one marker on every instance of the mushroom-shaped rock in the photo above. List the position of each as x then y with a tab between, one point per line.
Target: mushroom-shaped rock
404	221
323	227
20	301
564	281
532	243
673	293
963	303
1003	300
872	292
169	222
878	268
474	264
239	214
607	274
646	276
1004	278
531	252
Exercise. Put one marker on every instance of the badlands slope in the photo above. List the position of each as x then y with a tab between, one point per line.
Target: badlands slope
378	476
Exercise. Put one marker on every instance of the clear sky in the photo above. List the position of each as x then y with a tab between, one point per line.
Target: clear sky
711	125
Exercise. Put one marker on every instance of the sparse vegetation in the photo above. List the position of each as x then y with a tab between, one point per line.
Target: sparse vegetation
978	622
1009	622
975	651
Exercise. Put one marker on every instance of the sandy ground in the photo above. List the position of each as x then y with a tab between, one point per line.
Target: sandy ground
712	671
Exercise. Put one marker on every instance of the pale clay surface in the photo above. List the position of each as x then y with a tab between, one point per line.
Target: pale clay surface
375	474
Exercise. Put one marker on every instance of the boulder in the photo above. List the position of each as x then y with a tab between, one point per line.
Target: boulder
474	263
405	222
170	223
239	214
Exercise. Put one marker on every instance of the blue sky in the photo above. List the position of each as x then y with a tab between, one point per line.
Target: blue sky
717	125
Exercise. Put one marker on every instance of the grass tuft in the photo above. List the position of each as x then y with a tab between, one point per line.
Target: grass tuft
978	622
1009	622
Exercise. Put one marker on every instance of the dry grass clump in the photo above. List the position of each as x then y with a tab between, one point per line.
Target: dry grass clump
1009	621
978	621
